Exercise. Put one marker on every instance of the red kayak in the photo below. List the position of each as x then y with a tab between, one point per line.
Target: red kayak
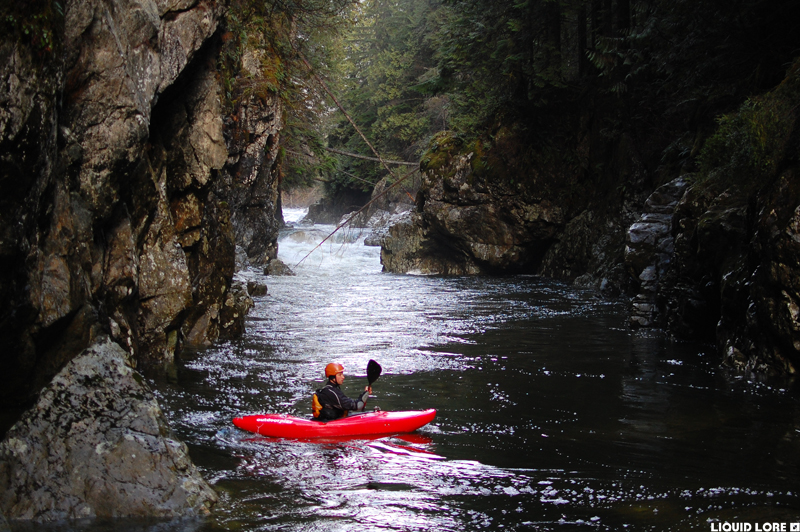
285	426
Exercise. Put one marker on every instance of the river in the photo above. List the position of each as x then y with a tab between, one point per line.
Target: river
552	414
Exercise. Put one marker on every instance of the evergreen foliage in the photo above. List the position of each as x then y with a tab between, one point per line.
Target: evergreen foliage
388	57
750	145
656	71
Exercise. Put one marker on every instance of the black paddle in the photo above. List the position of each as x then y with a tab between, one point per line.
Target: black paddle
373	371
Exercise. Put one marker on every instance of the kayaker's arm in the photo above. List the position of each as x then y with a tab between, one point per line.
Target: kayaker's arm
333	397
355	404
362	399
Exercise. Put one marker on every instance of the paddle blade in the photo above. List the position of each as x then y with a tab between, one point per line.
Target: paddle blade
373	371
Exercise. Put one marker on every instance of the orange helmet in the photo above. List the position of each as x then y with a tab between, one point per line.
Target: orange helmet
332	369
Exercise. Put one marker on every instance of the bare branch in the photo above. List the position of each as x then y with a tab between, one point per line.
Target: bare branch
357	156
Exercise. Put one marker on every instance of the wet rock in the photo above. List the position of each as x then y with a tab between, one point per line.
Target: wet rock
242	262
277	267
589	252
406	248
114	221
96	444
710	249
249	181
115	144
380	222
732	276
256	289
649	249
759	329
402	245
234	311
374	239
468	224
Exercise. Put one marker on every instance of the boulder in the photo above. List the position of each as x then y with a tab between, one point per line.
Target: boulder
234	311
277	267
468	223
256	289
96	444
407	248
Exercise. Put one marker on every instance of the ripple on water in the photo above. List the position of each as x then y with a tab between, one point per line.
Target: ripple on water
347	483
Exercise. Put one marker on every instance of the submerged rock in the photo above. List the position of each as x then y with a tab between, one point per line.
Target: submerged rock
96	444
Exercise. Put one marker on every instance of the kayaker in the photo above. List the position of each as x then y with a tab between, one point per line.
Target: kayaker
332	402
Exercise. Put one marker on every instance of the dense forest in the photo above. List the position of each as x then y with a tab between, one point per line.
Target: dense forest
657	71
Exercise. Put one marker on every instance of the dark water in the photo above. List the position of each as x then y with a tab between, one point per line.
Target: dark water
552	415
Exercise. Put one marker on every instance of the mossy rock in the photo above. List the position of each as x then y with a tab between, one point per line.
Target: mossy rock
443	148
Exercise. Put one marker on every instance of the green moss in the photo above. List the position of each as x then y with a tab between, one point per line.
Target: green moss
748	148
256	26
444	146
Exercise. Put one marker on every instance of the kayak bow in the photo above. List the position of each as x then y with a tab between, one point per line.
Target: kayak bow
285	426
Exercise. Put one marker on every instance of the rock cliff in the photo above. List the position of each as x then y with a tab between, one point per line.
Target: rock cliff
251	175
127	184
710	255
487	207
727	269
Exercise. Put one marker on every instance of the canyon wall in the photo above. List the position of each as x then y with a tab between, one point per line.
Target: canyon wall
127	184
708	254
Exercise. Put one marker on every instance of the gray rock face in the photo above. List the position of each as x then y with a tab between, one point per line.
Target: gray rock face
96	444
249	181
114	218
466	224
406	248
649	249
712	264
734	273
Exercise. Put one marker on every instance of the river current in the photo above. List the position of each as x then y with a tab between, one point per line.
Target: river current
551	413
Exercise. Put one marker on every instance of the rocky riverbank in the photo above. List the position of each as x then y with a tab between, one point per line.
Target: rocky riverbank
710	255
96	444
475	215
